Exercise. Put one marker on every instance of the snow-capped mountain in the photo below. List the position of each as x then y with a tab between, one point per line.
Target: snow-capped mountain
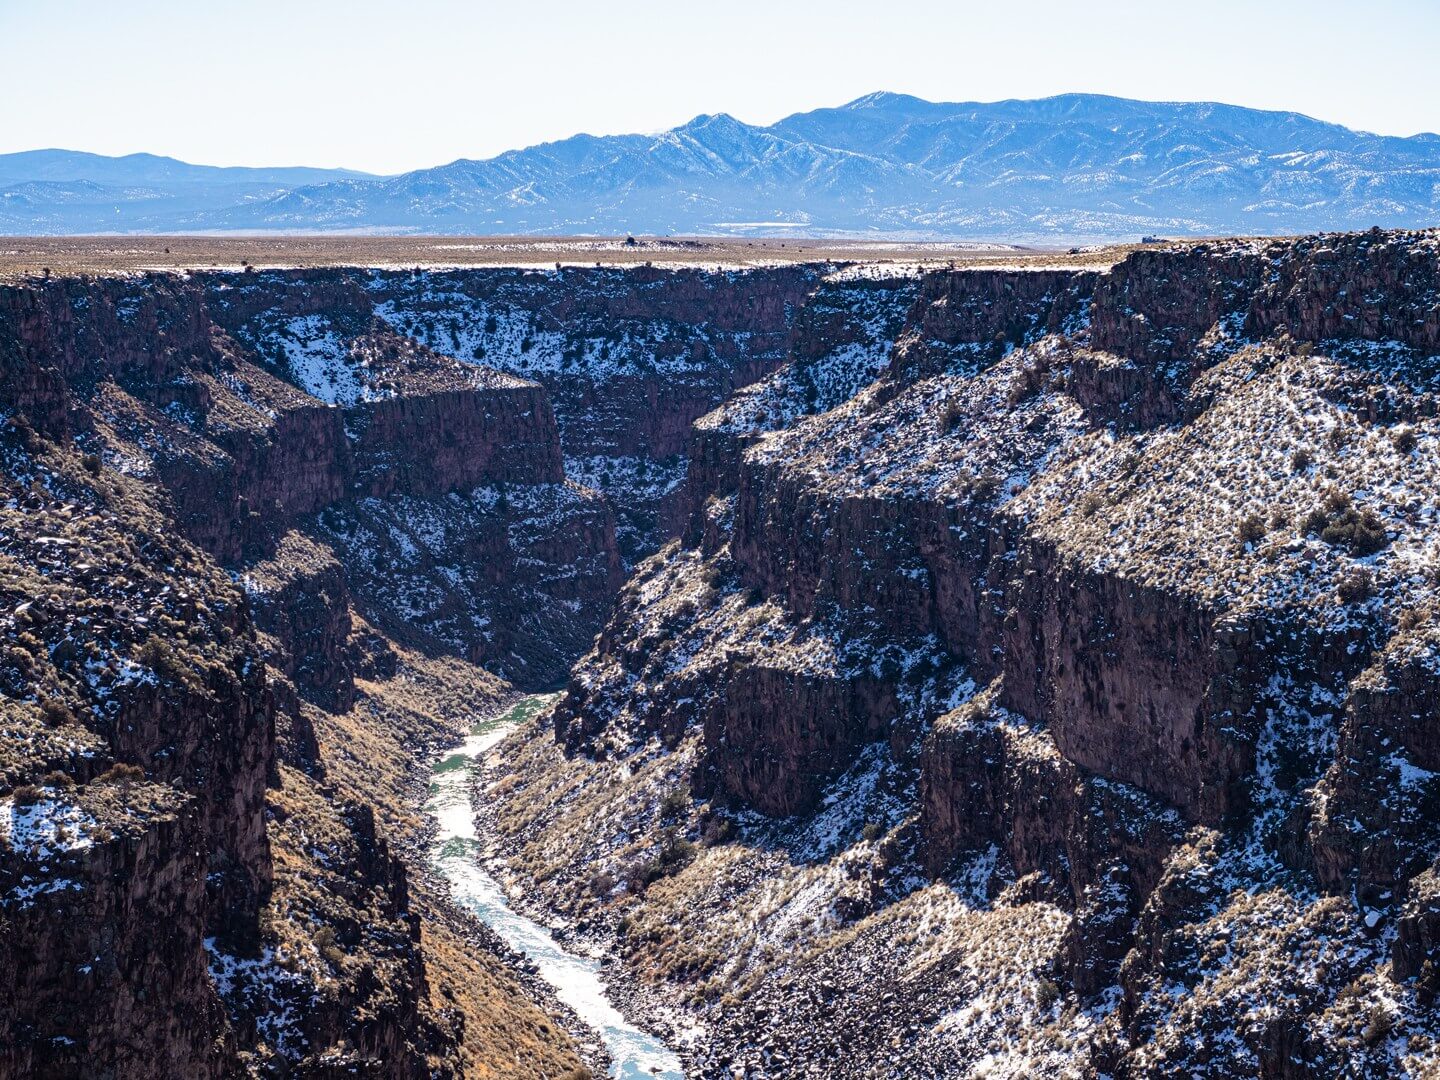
1077	166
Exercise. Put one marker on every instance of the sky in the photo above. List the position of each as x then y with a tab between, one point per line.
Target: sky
387	87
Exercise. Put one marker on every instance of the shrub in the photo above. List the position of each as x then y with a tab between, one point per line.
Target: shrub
91	463
122	772
1047	993
56	713
1356	586
325	945
1313	522
27	795
1252	529
1029	382
1411	618
1361	531
674	854
952	414
1403	439
718	830
602	883
675	802
872	831
59	780
1300	460
1378	1026
675	851
986	486
160	658
1339	522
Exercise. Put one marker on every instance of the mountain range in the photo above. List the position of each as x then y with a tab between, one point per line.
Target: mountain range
1074	167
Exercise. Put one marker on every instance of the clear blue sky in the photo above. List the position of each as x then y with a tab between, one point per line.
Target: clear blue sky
393	86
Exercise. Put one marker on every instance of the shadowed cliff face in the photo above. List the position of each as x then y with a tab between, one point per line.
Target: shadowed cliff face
1041	702
138	740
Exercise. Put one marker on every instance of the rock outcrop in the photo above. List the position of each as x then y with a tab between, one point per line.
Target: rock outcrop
1072	681
630	359
139	739
841	341
104	917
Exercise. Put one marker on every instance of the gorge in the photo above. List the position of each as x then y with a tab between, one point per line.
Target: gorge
962	670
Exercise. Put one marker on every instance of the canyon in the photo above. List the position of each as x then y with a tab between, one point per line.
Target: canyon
965	671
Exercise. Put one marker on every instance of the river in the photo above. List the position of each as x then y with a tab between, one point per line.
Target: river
576	979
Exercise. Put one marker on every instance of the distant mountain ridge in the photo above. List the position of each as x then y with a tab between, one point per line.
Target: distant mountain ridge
1075	166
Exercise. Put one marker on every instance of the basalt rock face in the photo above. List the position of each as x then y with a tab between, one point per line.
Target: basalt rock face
796	728
1417	940
104	935
515	579
193	878
455	441
962	317
1362	286
258	403
630	359
236	447
1076	687
842	340
418	423
1375	824
139	738
265	402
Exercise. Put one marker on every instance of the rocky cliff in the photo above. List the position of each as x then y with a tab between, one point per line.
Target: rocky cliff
209	753
1040	677
842	339
630	358
1058	700
139	737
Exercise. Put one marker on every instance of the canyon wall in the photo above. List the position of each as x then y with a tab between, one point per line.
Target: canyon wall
1094	629
630	359
196	879
1041	663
